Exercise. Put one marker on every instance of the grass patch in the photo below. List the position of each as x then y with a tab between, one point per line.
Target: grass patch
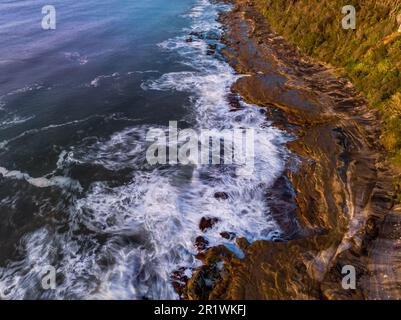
370	55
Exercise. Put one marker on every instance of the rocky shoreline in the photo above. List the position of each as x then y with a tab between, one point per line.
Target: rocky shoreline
336	206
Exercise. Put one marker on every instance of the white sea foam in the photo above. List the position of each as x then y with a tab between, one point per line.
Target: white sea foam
76	57
125	149
4	143
95	82
142	72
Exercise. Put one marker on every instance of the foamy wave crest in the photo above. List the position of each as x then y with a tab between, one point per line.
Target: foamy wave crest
13	120
41	182
23	90
246	212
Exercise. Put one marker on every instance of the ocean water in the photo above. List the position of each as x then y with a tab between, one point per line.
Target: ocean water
76	191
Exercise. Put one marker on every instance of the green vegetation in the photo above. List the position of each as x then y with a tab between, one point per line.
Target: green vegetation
370	55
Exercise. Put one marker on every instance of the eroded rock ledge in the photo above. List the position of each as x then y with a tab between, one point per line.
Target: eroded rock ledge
342	211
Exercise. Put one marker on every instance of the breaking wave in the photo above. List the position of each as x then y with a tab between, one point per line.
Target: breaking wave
134	235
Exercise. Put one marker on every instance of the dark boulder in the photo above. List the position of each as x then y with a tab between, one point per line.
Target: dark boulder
207	223
201	243
228	235
221	195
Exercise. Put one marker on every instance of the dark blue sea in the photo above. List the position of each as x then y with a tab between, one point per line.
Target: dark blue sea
76	103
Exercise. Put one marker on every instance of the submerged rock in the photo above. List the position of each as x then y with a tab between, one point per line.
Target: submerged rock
207	223
179	280
221	195
201	243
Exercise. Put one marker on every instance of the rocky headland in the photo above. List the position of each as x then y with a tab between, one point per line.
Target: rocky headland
336	204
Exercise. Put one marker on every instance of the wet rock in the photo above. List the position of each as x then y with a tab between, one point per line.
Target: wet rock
207	223
206	35
242	243
194	33
207	277
201	243
179	280
197	35
202	282
228	235
221	195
